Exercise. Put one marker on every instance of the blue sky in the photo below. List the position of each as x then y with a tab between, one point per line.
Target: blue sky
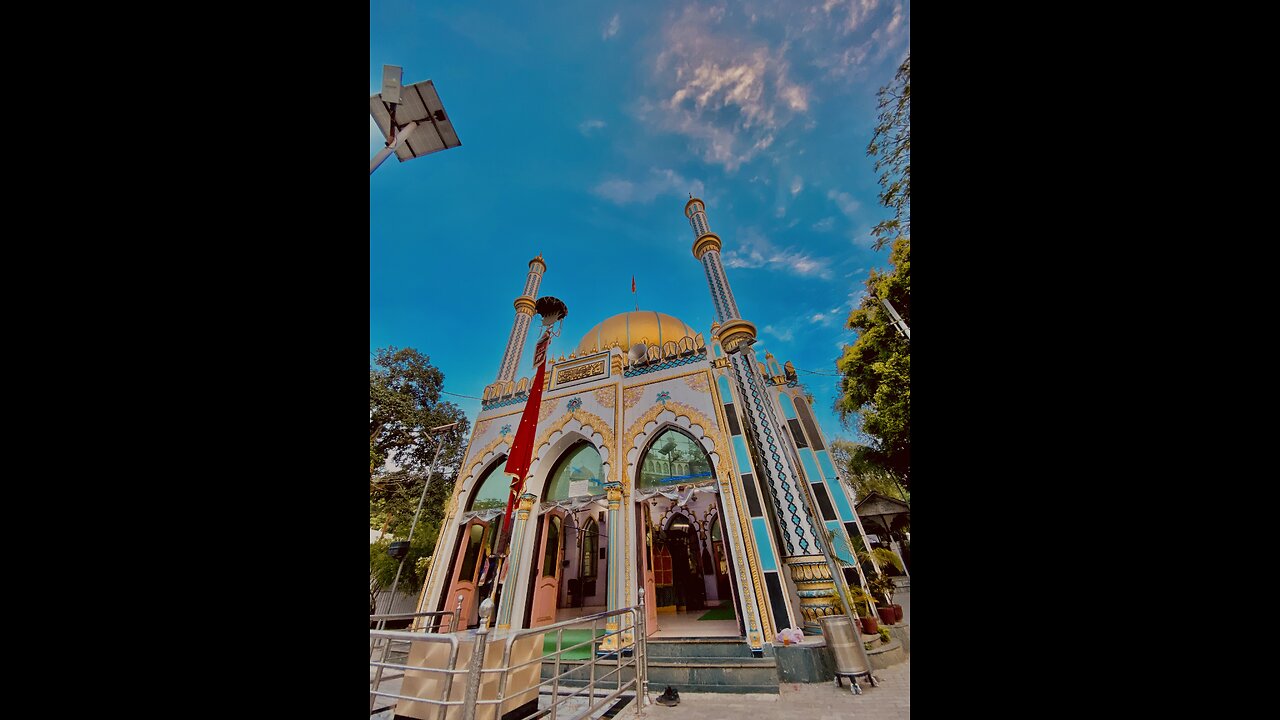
584	128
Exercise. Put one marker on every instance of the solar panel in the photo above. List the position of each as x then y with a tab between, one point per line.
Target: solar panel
418	102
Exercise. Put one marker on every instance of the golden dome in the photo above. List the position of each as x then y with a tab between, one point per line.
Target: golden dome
654	328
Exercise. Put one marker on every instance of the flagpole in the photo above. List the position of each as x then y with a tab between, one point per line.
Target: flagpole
520	457
517	487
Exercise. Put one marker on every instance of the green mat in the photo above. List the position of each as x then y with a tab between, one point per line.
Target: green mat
724	612
571	638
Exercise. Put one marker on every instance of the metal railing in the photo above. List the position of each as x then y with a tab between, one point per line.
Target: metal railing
612	649
436	624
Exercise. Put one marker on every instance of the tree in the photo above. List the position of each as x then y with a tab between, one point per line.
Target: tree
382	567
877	367
891	144
867	471
404	403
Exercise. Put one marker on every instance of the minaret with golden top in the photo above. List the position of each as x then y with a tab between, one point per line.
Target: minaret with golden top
801	547
520	326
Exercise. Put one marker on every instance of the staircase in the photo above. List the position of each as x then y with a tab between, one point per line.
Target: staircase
689	665
710	665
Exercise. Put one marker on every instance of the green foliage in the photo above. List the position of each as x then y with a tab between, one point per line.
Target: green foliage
382	567
858	600
883	585
867	471
891	146
877	366
884	634
869	645
396	499
882	556
404	402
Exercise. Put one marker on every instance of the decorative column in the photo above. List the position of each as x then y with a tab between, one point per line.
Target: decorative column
802	549
614	591
515	557
520	326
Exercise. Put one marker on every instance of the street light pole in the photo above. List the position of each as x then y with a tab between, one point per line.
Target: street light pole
391	597
397	136
898	322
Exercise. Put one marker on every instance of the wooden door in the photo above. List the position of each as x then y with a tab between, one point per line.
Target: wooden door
646	569
546	591
468	562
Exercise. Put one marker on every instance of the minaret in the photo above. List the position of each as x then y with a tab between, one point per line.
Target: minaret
520	326
801	546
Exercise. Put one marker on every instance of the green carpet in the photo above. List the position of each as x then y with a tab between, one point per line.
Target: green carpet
571	638
724	612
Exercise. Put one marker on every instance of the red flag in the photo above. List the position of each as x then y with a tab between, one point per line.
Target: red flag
522	447
633	283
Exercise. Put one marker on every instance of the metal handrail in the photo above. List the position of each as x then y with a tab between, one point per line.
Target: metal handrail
630	625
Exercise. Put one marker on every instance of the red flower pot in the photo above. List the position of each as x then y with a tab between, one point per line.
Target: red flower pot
869	626
897	612
887	615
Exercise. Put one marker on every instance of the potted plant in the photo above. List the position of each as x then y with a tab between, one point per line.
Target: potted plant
882	585
860	602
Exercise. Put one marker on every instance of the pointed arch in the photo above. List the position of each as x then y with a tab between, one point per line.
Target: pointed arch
672	456
580	465
673	414
492	488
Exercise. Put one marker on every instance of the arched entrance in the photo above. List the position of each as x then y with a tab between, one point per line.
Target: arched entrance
569	574
679	547
683	564
472	569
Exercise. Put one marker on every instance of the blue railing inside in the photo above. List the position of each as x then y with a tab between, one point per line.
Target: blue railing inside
670	480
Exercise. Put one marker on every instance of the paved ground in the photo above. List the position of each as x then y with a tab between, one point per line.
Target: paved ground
819	701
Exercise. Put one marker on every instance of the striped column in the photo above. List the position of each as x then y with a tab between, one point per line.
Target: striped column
801	548
520	326
614	591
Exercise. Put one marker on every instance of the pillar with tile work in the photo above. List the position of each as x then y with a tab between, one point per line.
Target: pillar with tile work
802	549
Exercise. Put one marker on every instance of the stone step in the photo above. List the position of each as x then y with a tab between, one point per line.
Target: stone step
707	677
689	648
685	678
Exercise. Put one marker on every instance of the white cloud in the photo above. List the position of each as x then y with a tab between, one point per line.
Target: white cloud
844	201
612	28
586	127
797	184
825	224
856	12
755	251
658	182
895	23
856	59
785	334
726	90
855	298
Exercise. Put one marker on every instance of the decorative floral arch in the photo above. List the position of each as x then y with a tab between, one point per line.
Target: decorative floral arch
676	415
